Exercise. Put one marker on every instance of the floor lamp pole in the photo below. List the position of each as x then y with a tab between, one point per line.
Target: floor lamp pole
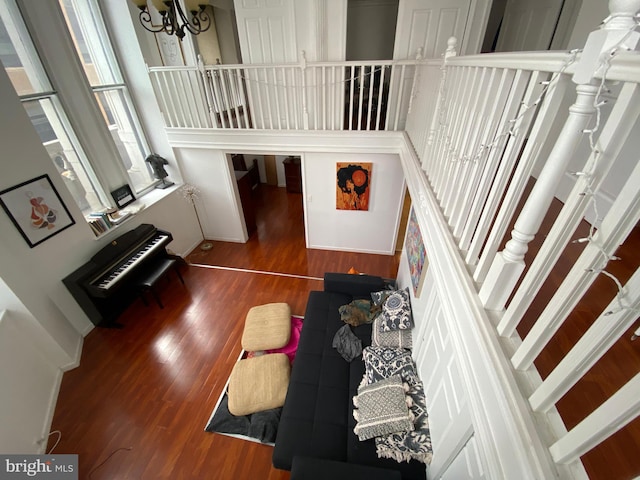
205	245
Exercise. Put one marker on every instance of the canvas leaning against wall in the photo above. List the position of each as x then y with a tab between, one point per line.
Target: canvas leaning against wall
416	254
353	185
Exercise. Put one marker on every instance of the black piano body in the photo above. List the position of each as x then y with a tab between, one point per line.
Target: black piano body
103	287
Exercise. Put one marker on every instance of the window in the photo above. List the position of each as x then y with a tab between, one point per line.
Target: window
89	168
25	71
101	68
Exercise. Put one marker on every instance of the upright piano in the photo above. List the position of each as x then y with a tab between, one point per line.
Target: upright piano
103	285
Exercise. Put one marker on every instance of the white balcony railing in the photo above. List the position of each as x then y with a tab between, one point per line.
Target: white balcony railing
303	96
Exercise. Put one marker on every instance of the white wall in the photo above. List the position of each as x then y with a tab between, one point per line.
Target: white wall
372	231
219	205
30	384
589	18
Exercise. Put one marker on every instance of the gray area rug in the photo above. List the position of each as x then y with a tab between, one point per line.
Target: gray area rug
259	427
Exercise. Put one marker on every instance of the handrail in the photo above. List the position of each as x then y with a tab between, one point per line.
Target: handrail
249	66
625	66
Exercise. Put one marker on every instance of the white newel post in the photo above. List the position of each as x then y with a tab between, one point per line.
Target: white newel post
508	265
435	121
416	79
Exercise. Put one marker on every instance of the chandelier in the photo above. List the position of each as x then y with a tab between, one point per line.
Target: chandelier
174	19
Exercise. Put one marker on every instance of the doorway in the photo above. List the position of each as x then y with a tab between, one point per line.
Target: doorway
521	25
371	29
270	191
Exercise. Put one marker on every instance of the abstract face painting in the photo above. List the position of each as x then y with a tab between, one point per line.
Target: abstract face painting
353	184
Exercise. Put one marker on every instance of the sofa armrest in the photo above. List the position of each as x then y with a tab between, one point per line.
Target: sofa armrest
358	286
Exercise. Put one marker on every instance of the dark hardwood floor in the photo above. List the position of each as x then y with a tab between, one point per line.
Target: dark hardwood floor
137	405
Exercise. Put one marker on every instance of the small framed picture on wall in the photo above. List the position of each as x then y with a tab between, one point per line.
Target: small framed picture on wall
36	209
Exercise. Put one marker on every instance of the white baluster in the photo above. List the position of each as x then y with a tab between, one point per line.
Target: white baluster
604	332
380	95
208	95
305	112
285	88
607	419
449	52
416	79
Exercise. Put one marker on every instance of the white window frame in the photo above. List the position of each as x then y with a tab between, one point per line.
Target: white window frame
54	59
92	25
54	112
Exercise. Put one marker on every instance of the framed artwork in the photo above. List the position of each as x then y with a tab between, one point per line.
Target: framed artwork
353	184
36	209
416	254
123	196
170	48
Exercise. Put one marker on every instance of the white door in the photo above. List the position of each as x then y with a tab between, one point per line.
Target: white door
266	29
528	26
428	25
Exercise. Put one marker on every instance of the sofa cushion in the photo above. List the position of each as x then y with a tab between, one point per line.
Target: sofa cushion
308	468
364	452
317	408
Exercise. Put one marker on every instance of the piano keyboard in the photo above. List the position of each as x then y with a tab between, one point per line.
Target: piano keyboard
114	276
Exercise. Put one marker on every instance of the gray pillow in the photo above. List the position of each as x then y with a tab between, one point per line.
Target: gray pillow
346	343
384	362
396	312
381	409
392	339
413	445
378	298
